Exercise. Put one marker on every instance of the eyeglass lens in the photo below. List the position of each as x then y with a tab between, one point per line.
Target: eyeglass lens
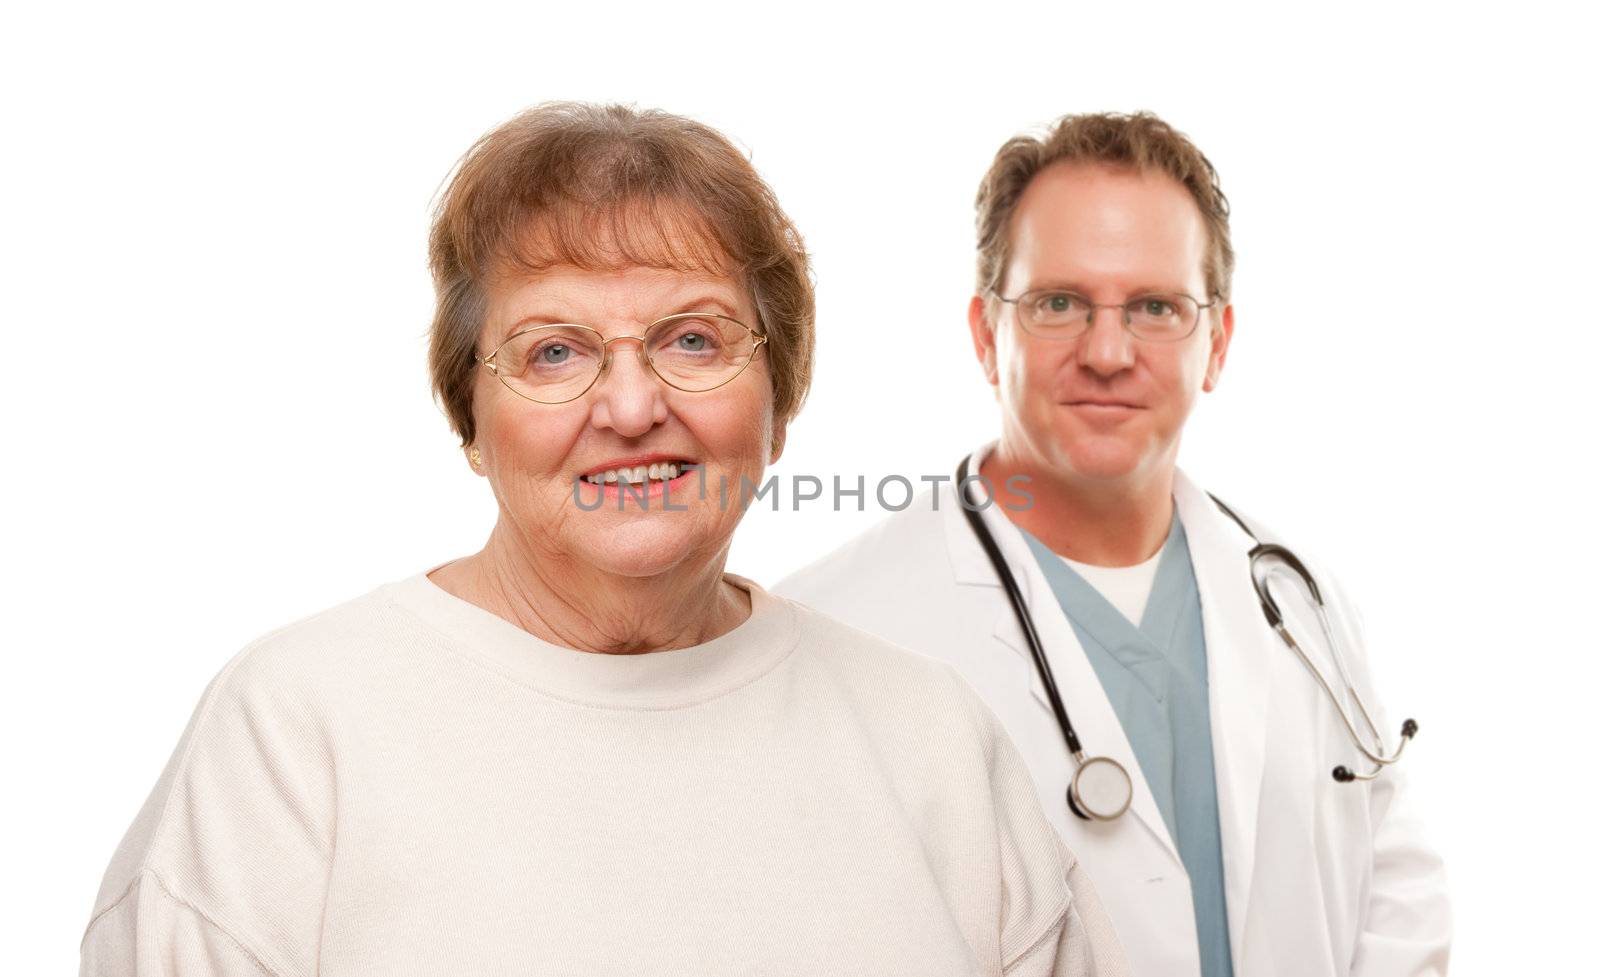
692	352
1162	317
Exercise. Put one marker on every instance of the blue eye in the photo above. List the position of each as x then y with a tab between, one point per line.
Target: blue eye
692	342
555	353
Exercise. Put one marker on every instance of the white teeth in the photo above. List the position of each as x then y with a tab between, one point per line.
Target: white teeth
661	470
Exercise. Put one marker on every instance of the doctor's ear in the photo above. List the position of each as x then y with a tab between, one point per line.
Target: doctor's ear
983	337
1221	336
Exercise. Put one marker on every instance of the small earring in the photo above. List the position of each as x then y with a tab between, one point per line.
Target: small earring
477	458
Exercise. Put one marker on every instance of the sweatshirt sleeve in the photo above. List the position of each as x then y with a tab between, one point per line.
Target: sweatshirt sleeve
1052	923
225	869
151	933
1082	942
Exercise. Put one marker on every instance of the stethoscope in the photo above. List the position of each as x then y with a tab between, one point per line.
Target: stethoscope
1101	788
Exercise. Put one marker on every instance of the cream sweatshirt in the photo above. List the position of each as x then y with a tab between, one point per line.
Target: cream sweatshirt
408	784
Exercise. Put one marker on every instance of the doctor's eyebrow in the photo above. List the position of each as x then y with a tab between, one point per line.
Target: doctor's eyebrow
1135	292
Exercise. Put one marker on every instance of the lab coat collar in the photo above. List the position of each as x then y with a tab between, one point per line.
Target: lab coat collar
968	562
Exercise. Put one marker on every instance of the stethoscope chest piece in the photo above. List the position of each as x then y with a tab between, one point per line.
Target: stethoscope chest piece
1101	789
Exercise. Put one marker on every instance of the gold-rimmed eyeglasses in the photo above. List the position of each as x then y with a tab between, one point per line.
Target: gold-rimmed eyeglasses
691	351
1054	313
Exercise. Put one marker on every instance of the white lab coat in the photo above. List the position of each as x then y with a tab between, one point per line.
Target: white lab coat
1321	878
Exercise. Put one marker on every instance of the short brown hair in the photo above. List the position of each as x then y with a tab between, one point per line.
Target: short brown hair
605	186
1140	141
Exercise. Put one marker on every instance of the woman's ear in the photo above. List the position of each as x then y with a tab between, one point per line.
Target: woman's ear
780	434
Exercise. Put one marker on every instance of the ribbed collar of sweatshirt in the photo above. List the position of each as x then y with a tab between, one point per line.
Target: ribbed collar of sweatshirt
674	679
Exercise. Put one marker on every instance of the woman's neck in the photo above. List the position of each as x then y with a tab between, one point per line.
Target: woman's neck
581	607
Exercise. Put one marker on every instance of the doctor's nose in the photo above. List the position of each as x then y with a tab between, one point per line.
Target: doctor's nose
1106	347
628	398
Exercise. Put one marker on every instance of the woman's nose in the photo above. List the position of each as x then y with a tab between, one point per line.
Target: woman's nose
628	398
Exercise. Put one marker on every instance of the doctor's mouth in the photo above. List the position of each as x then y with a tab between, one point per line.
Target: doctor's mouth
677	486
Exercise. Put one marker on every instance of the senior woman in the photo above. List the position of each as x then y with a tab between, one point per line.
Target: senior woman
586	749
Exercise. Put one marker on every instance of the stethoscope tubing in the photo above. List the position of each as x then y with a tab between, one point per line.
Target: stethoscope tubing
970	509
1259	574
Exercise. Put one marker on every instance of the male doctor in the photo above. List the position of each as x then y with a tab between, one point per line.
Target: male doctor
1102	311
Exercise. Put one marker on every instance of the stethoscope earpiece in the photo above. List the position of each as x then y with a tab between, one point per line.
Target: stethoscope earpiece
1345	775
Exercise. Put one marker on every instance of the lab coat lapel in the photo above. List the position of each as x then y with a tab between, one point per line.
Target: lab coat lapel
1238	657
1092	713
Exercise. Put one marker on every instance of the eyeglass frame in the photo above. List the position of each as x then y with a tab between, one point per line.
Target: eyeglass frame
1127	317
758	336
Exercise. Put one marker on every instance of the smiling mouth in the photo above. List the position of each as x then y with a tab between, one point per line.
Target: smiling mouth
656	471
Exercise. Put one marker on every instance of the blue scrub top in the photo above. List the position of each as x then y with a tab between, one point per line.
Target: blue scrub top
1155	676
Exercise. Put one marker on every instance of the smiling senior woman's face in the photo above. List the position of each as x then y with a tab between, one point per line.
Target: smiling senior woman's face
612	218
533	453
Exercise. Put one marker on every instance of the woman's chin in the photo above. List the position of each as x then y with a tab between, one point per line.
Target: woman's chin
639	549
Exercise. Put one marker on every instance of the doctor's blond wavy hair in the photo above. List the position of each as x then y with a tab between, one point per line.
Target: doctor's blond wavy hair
1140	141
604	187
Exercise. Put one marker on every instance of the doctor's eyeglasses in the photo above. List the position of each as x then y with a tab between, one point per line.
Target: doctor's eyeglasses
691	351
1052	313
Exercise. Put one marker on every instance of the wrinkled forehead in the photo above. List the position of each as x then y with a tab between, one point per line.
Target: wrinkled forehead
638	233
615	269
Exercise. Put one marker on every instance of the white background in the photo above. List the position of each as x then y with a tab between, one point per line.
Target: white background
216	403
